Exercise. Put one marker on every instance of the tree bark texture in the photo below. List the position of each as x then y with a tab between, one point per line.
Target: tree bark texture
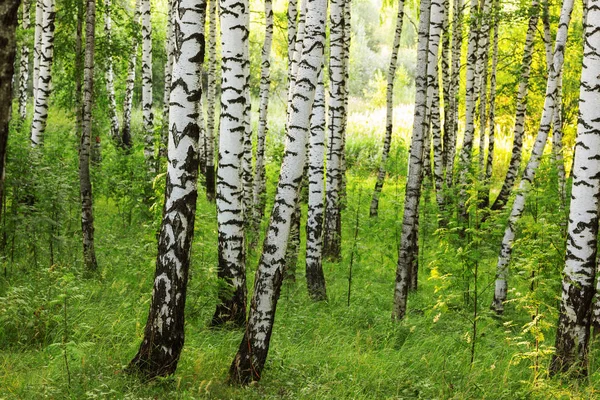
126	138
24	63
46	53
408	250
249	362
85	183
211	98
534	161
37	44
110	78
230	190
164	333
148	115
573	331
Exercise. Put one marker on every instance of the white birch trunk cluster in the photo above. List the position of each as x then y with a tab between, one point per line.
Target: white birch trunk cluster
148	115
24	63
110	78
230	189
250	359
164	333
407	253
573	333
46	57
534	160
389	111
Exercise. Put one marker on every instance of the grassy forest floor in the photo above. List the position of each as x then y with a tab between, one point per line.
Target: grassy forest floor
64	334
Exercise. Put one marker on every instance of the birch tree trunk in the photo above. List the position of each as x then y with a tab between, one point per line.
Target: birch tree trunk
159	352
230	190
534	160
8	15
389	111
521	109
85	183
24	64
332	241
37	44
246	117
292	29
407	253
40	111
148	115
250	359
211	99
170	52
260	179
315	279
573	331
130	83
492	113
451	133
78	73
110	85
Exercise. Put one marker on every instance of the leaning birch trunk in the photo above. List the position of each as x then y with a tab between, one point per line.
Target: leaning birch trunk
292	29
40	110
451	132
250	359
85	183
436	24
9	17
211	98
332	241
573	331
389	111
297	53
159	352
24	63
37	44
315	279
230	191
466	154
170	52
110	84
534	160
148	116
407	252
126	139
521	109
260	180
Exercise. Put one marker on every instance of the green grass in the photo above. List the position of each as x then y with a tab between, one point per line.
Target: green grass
326	350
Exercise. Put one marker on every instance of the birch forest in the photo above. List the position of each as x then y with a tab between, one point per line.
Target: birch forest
299	199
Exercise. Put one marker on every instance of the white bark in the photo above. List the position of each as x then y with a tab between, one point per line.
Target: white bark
148	116
170	51
534	160
37	44
130	83
252	354
110	85
24	63
580	265
40	111
211	97
247	156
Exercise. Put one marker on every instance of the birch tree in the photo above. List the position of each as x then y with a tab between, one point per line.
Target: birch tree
315	279
170	52
246	118
211	99
534	160
389	111
85	183
332	240
130	82
46	53
230	189
161	347
148	115
37	44
573	331
110	85
260	180
407	252
24	63
521	109
250	359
